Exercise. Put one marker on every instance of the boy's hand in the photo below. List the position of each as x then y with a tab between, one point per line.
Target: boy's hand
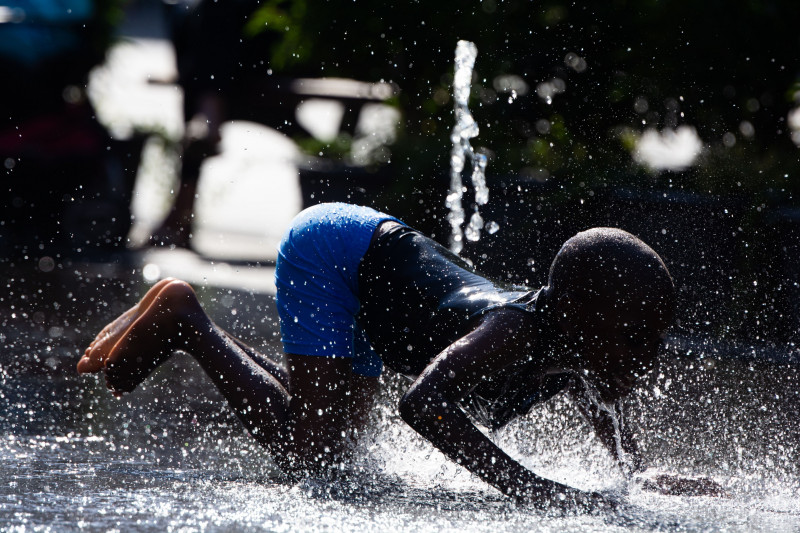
591	502
672	485
569	499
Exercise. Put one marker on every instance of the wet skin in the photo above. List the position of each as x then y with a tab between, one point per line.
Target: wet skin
303	424
96	355
613	350
615	336
611	347
301	413
430	408
296	412
613	340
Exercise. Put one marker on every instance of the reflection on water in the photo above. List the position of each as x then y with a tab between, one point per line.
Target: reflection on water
171	456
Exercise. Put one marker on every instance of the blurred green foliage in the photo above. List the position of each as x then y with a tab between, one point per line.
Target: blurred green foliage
102	29
589	78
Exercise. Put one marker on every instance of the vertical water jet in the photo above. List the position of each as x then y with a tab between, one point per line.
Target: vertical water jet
462	153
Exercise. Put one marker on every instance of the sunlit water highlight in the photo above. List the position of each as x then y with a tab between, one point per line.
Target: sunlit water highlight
161	468
462	153
172	457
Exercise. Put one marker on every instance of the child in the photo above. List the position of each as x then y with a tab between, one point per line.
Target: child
353	283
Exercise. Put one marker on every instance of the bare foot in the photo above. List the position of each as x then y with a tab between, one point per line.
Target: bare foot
141	339
94	358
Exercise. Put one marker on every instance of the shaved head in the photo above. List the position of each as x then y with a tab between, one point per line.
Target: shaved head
614	300
611	263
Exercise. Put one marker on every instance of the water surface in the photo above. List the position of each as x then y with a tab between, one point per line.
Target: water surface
172	457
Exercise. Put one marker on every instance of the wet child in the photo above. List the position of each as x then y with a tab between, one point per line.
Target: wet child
358	289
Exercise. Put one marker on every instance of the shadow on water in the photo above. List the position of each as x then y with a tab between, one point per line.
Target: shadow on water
172	455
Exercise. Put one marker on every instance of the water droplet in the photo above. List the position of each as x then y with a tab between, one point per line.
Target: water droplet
151	272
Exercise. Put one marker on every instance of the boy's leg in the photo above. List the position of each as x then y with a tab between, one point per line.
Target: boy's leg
303	431
277	370
319	412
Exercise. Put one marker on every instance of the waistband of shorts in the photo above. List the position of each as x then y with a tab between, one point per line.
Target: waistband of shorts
382	250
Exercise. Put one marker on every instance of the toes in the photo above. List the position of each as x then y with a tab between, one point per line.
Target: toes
113	350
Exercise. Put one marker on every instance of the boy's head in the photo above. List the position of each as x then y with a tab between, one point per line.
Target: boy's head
615	299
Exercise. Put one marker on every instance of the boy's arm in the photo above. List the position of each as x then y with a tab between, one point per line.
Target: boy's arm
430	408
616	435
624	449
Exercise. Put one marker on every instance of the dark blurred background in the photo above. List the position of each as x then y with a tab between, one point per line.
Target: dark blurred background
675	120
678	121
564	94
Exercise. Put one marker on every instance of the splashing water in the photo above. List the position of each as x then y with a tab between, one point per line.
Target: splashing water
173	456
462	152
613	411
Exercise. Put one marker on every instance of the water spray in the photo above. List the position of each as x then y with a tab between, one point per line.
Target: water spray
593	397
462	152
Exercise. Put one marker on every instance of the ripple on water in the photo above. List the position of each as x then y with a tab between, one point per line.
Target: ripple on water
172	456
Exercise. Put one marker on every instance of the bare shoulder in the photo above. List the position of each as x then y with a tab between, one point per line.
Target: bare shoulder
502	334
512	324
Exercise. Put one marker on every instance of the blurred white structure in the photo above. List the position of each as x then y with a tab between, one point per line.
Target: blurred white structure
669	149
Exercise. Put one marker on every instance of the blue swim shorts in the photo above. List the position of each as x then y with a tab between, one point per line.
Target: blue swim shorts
317	281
